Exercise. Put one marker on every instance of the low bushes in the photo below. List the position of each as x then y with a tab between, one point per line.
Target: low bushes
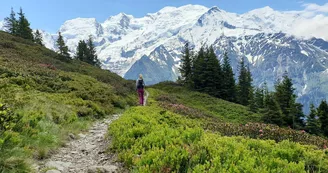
149	139
267	131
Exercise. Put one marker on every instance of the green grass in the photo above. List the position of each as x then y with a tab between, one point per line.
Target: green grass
170	94
49	98
151	139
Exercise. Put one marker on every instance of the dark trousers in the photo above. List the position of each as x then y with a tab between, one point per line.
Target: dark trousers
141	96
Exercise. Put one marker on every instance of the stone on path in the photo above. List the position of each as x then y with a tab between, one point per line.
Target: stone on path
103	169
53	171
61	166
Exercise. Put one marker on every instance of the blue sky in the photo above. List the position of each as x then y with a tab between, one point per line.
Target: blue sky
49	15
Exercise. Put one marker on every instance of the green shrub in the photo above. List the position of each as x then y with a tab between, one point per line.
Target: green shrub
13	158
149	139
266	131
8	119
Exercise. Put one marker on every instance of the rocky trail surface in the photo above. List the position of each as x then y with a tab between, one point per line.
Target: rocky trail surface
85	153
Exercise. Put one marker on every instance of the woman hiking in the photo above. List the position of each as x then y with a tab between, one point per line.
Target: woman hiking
140	84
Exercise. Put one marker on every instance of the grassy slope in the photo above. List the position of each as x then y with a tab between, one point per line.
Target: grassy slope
173	135
209	106
49	97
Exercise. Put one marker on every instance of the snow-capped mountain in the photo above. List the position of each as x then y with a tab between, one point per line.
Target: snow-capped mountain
2	23
123	39
270	55
272	42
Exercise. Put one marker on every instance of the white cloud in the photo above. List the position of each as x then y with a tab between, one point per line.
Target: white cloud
314	22
316	7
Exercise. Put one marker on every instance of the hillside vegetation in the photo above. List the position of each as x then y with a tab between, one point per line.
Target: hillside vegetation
44	97
184	131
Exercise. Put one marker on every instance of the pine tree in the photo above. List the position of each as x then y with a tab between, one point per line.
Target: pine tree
198	69
323	116
211	73
92	57
242	86
292	111
186	65
259	98
11	23
63	49
272	113
38	38
82	51
228	81
23	27
313	123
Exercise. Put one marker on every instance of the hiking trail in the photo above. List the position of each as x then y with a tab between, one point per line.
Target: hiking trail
85	153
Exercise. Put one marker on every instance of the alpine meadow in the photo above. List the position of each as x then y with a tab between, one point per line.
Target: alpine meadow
69	101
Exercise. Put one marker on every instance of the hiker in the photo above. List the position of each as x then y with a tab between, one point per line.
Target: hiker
140	84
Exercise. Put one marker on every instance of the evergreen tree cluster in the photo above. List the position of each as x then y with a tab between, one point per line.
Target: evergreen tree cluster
21	27
317	120
280	107
203	72
86	52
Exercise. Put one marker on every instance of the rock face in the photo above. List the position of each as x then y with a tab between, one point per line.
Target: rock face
157	67
86	154
270	55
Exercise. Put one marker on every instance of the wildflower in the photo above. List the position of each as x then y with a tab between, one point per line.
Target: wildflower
261	131
246	125
261	134
325	146
302	131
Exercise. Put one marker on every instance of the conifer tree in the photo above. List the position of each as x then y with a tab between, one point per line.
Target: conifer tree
92	57
211	79
63	49
23	27
313	122
292	111
242	86
272	113
228	81
323	116
11	23
38	38
186	65
82	51
198	69
259	98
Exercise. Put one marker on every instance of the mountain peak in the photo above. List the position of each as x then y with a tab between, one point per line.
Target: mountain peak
189	7
264	10
214	9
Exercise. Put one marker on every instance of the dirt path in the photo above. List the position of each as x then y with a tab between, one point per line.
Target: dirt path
85	153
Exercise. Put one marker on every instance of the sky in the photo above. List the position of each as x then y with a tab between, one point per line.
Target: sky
49	15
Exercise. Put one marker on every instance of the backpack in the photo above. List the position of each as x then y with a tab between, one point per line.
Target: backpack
140	84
